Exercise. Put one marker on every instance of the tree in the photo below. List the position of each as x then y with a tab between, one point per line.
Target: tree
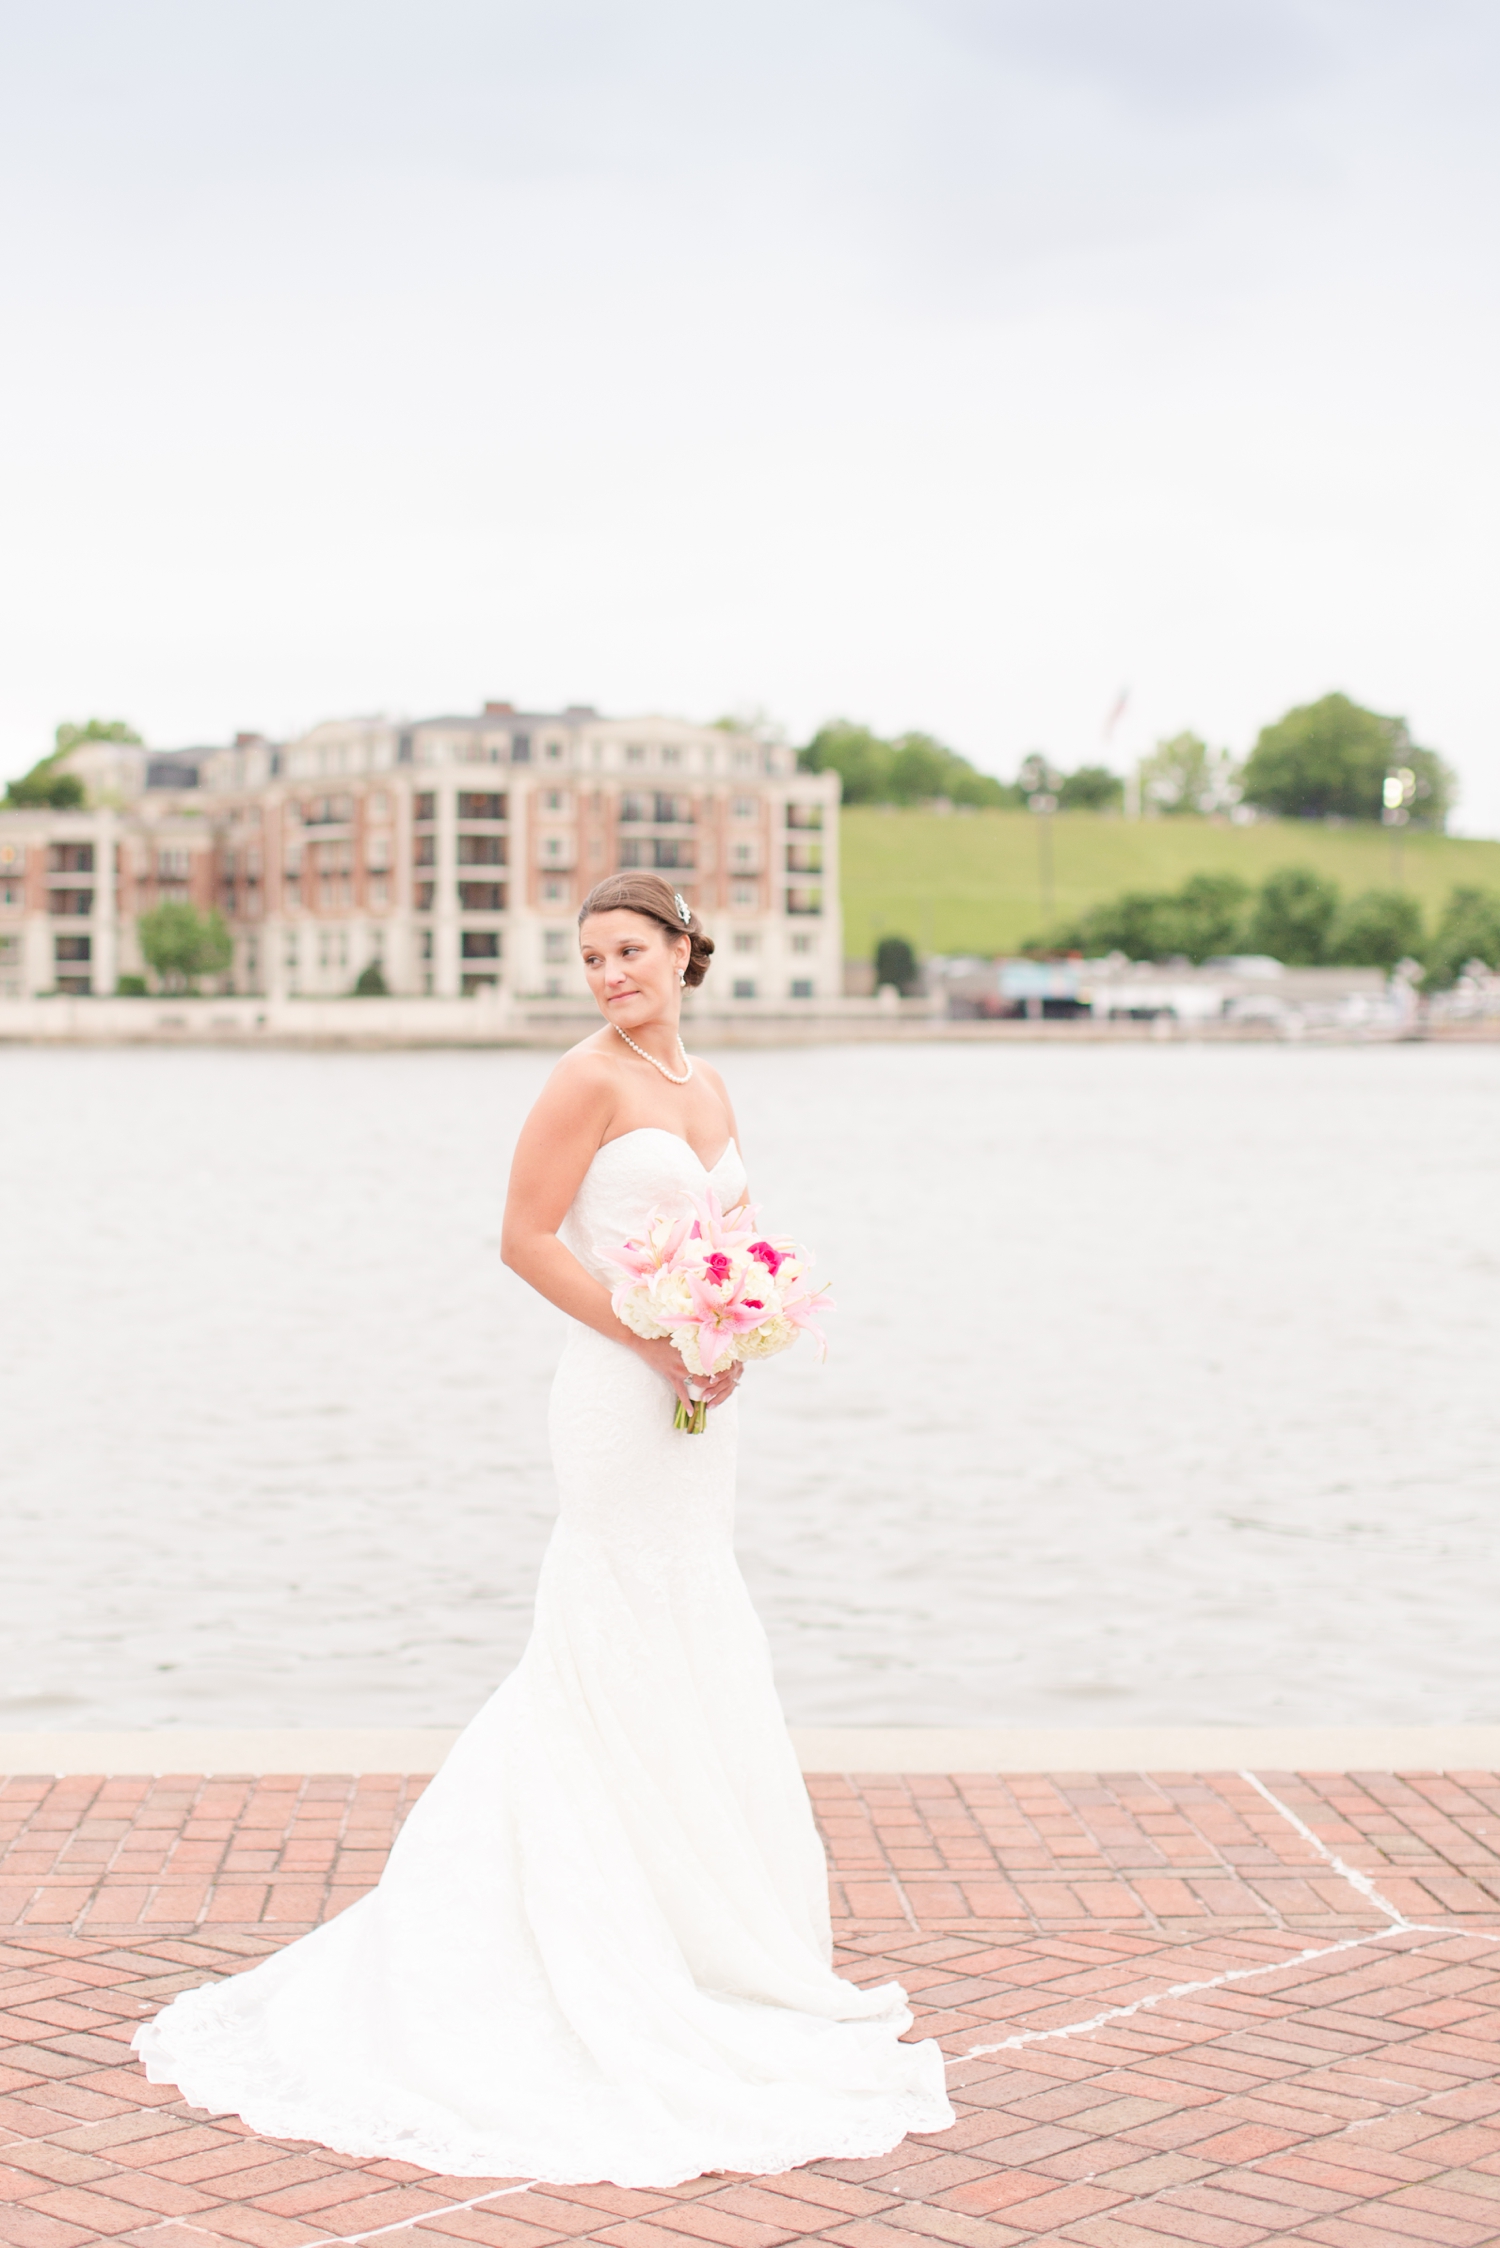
1329	760
48	785
45	787
909	769
180	944
1207	915
1204	917
1376	929
1184	776
1469	929
370	983
896	963
1293	916
1093	788
68	736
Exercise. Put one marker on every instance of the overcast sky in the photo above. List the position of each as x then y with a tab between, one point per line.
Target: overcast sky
945	363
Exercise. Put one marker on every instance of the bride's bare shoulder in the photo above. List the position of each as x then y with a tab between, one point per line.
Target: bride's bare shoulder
584	1081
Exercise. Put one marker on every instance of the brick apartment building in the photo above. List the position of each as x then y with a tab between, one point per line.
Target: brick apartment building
453	851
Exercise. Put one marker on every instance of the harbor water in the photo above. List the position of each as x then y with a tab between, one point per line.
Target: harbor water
1163	1387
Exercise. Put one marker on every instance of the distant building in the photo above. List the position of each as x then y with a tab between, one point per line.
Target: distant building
452	851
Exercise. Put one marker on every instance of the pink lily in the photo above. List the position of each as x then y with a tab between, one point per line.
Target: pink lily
718	1319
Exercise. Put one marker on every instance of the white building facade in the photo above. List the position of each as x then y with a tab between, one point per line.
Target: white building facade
453	852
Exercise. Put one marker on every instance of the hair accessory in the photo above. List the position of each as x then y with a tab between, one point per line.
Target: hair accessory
683	909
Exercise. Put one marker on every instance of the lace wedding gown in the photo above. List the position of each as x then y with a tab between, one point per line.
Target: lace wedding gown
600	1948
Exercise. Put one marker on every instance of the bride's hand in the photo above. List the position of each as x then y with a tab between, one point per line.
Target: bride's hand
663	1359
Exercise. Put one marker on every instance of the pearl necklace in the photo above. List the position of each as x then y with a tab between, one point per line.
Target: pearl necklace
651	1058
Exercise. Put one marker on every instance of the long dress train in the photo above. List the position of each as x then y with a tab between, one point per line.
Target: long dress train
600	1948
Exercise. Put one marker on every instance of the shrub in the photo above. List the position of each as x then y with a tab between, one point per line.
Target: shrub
1469	929
1204	917
181	944
1293	916
370	983
1376	929
896	963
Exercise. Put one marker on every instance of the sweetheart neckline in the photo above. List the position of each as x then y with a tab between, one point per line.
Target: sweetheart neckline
666	1133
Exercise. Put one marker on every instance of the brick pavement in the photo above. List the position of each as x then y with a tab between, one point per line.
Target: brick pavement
1179	2008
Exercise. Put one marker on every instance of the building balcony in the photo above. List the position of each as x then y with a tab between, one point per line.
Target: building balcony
70	905
804	900
481	897
482	850
804	858
669	852
659	809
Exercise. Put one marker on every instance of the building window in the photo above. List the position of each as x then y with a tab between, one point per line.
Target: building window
554	750
424	850
72	948
804	815
635	753
424	805
804	858
746	940
557	944
744	854
744	987
671	754
75	987
520	749
635	808
380	893
746	893
481	897
424	947
471	986
804	901
554	800
481	804
554	893
479	850
743	808
802	987
77	858
804	941
422	896
378	805
480	944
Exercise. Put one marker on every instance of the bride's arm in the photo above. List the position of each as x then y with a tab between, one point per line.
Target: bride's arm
558	1141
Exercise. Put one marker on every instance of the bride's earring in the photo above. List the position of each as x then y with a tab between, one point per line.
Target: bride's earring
682	976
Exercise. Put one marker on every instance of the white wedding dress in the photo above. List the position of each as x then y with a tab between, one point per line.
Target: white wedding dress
600	1948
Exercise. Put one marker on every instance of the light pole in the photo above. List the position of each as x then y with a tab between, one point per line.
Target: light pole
1398	793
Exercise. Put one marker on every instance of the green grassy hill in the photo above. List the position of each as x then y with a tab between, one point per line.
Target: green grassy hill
972	881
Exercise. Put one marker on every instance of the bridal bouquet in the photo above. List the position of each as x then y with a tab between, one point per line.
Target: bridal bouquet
705	1279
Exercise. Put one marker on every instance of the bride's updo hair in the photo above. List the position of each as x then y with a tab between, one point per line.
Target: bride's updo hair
648	894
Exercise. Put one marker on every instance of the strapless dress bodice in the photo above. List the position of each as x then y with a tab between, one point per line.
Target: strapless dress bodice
631	1178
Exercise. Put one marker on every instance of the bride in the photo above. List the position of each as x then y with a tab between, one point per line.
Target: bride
600	1948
